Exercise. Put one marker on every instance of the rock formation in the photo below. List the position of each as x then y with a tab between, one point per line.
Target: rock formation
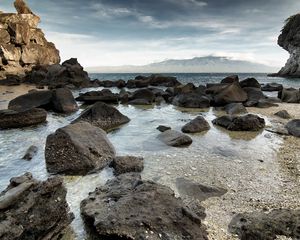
22	44
289	40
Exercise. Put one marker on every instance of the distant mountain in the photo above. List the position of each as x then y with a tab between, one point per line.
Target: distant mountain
209	64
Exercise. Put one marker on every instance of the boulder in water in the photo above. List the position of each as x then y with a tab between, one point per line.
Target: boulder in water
175	139
199	124
293	127
126	164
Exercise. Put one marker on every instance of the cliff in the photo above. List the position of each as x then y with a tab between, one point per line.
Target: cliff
289	40
22	44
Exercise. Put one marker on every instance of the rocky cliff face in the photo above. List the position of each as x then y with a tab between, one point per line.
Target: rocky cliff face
22	44
289	40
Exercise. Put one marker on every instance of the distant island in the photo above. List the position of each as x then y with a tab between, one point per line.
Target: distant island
210	64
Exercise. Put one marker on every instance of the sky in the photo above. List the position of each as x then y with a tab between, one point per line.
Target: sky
138	32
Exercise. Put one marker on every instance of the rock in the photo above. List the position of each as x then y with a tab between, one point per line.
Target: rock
254	96
272	87
13	119
98	96
215	88
289	95
199	124
266	226
191	100
31	209
63	101
266	103
103	116
293	127
36	99
30	153
138	83
162	128
248	122
231	79
283	114
175	139
146	96
250	82
235	108
10	80
231	94
78	149
22	7
164	81
139	102
182	89
130	208
127	164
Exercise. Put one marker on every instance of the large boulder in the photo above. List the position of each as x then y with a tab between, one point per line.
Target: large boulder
254	96
104	95
199	124
191	100
31	209
293	127
247	122
182	89
13	119
130	208
289	95
63	101
175	139
165	81
126	164
78	149
231	79
104	116
143	96
250	82
272	87
231	94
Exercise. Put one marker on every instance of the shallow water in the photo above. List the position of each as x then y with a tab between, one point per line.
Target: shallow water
243	163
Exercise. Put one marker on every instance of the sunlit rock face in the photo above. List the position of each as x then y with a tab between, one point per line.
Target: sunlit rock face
289	39
22	44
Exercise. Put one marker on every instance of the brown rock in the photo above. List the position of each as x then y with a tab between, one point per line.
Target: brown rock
22	7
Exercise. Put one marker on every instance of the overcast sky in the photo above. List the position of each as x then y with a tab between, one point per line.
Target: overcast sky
121	32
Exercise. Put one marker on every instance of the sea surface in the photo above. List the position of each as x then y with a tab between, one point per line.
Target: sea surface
243	163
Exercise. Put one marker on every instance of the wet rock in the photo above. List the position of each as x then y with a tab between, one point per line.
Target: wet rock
175	139
191	100
266	226
254	95
235	108
231	94
163	81
36	99
162	128
130	208
199	124
98	96
182	89
30	153
215	88
63	101
266	103
231	79
272	87
293	127
11	80
289	95
31	209
283	114
103	116
196	190
142	97
250	82
13	119
78	149
247	122
127	164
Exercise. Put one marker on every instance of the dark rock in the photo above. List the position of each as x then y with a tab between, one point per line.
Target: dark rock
13	119
127	164
130	208
63	101
140	102
266	103
248	122
103	116
289	95
162	128
215	88
272	87
266	226
11	80
191	100
254	95
146	95
283	114
196	190
293	127
235	108
30	153
164	81
138	83
30	209
250	82
183	89
231	79
98	96
231	94
174	138
36	99
78	149
199	124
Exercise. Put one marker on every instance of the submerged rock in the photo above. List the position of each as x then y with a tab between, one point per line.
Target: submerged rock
31	209
247	122
175	139
199	124
293	127
130	208
14	119
78	149
103	116
163	128
127	164
30	153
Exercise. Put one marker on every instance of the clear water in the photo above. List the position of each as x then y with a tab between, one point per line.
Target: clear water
217	157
